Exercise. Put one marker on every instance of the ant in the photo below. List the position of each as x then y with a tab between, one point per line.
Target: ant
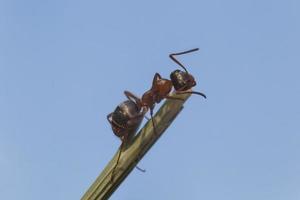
182	81
128	115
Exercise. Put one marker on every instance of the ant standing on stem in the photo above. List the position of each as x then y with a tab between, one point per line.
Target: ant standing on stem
128	115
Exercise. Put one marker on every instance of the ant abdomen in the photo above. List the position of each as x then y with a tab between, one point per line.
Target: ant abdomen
122	121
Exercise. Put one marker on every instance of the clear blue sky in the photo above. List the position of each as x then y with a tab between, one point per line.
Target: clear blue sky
65	64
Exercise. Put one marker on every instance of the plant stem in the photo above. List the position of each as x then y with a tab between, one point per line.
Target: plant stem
133	152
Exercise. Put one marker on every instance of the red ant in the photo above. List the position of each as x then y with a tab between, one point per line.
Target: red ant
128	116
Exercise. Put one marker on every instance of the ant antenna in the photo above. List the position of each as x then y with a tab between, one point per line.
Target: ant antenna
172	56
192	92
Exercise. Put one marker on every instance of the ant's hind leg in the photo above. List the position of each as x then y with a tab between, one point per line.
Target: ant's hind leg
140	169
133	98
117	162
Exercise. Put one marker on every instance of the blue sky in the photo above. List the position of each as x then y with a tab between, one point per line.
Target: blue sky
65	64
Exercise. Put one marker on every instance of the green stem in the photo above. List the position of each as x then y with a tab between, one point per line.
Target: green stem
104	186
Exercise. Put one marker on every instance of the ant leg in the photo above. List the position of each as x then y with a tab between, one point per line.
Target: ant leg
172	56
140	169
132	121
133	98
153	124
119	155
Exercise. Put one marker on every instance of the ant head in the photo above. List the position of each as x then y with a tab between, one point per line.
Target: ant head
182	80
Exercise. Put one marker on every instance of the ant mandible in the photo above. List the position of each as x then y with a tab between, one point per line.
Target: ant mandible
182	81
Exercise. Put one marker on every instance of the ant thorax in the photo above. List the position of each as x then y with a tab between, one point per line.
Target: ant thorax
163	87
